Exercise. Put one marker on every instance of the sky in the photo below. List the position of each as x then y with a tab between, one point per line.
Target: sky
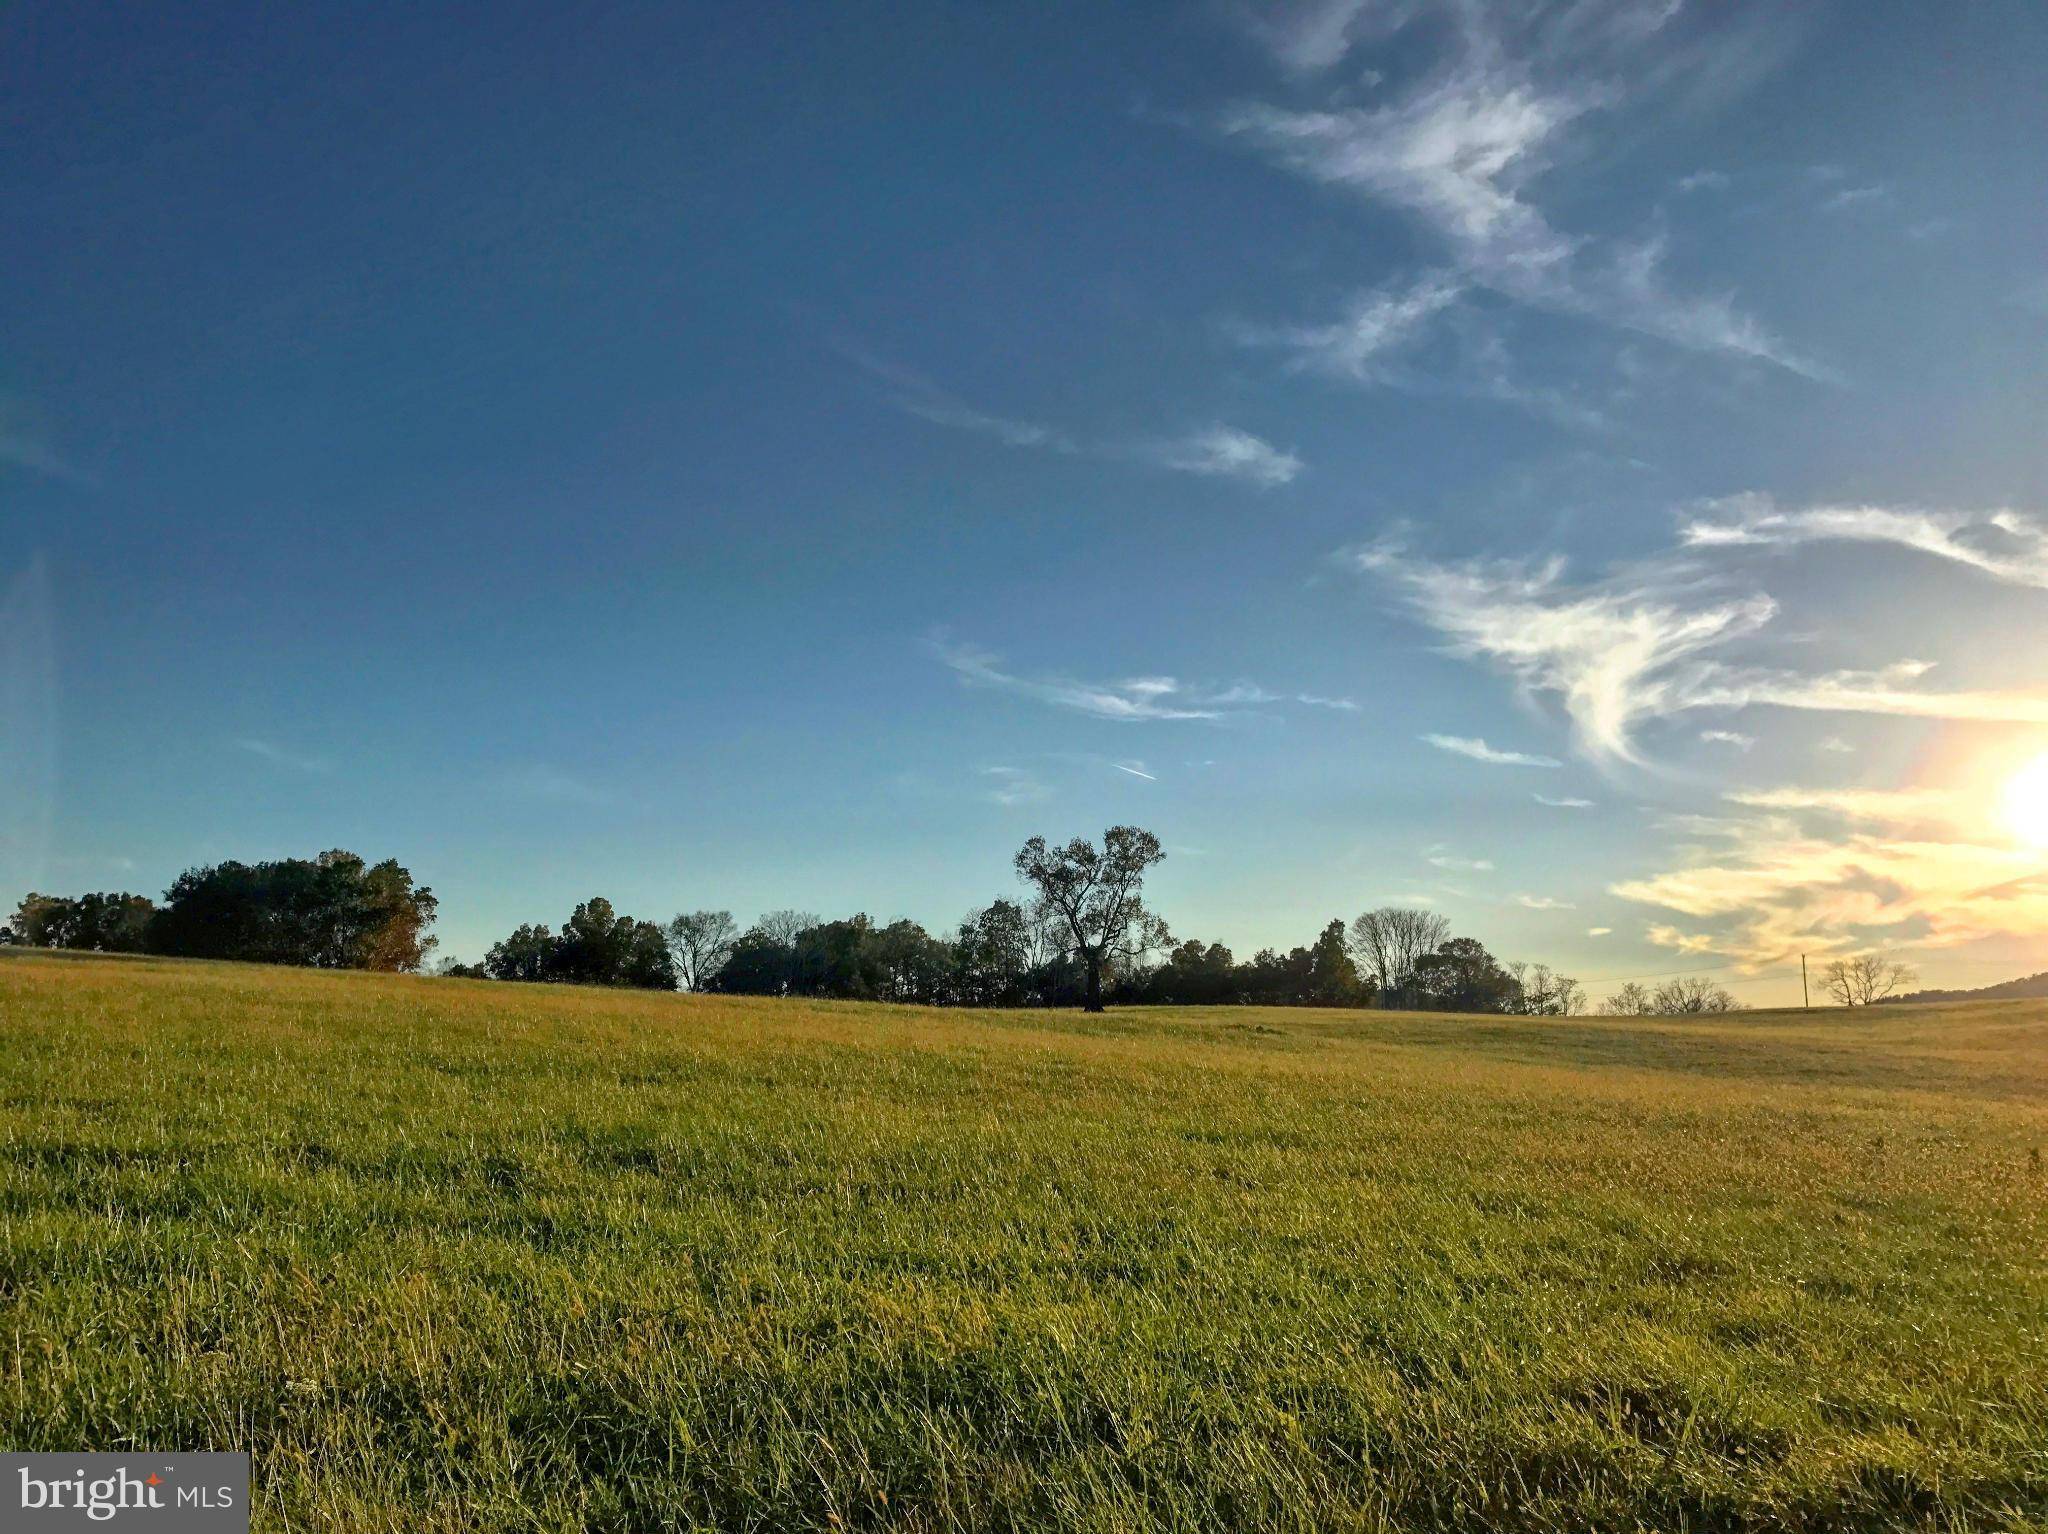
1582	468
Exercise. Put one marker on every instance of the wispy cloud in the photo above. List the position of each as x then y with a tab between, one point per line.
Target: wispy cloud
1598	931
1836	744
1386	337
1225	452
1450	862
2006	544
1735	738
1544	903
1645	644
1563	804
1009	786
1459	150
1136	770
1131	699
1858	199
1374	326
279	756
1703	181
1214	451
1313	36
1479	751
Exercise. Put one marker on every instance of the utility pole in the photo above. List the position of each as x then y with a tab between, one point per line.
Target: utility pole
1805	1000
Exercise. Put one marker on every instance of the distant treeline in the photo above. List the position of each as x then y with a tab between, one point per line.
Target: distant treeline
1082	936
330	912
2026	988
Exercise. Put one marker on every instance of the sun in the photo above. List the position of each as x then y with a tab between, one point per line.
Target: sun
2026	802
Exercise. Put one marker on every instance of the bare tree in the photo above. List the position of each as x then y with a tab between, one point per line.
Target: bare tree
1545	993
701	942
1866	978
1684	995
1093	898
1632	1000
1387	944
785	927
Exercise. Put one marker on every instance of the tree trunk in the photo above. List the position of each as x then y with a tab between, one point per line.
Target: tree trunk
1094	1001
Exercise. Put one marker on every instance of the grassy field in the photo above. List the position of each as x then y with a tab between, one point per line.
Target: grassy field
449	1255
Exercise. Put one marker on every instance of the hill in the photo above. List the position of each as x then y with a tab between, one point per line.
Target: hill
448	1255
2028	988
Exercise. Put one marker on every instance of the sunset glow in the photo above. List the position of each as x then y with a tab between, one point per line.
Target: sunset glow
2026	802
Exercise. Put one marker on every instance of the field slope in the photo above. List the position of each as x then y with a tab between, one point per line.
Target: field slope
454	1256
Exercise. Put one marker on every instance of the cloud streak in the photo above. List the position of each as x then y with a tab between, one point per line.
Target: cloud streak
2007	545
1224	452
1133	699
1479	751
1216	451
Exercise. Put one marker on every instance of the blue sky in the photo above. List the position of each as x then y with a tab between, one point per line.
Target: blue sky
771	455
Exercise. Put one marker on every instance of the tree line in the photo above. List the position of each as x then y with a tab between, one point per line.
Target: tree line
1081	935
334	911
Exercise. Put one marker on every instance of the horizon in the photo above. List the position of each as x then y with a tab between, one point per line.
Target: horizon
1579	471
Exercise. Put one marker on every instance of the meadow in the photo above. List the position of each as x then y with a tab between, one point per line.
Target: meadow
452	1255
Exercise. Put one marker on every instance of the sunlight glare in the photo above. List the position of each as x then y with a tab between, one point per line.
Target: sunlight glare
2026	802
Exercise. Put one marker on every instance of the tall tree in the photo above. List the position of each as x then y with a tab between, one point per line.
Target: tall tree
1389	943
701	942
1332	977
1095	898
993	955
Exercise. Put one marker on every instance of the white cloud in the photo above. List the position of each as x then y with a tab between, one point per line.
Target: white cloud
1376	325
1598	931
1227	452
1479	751
1836	744
1459	152
1735	738
1544	903
2005	544
1563	804
1452	864
1643	644
1609	653
1703	181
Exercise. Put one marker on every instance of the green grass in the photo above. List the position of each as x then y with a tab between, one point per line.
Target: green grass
453	1256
